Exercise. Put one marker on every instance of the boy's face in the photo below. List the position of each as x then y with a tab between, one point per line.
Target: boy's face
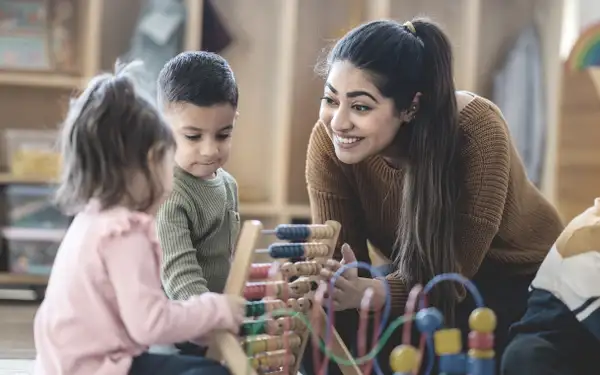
203	136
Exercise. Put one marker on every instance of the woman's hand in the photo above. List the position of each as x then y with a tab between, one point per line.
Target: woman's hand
348	288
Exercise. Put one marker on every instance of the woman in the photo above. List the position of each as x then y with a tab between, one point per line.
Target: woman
426	174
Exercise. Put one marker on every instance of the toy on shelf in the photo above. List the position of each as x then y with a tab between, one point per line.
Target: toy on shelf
32	153
275	334
282	315
586	50
578	126
38	35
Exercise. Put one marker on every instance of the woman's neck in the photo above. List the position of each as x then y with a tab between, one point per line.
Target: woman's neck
396	153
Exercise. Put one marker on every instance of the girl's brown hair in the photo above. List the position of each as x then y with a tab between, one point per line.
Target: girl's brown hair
111	134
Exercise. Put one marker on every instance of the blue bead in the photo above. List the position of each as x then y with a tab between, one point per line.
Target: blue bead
286	250
429	320
482	366
292	232
453	364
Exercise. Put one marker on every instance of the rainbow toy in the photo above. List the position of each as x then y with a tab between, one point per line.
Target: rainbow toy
586	51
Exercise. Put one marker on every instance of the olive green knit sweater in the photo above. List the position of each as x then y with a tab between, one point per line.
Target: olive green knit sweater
198	226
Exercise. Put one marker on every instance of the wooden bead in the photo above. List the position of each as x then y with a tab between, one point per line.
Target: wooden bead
481	341
404	359
288	270
447	341
482	320
304	304
299	288
481	354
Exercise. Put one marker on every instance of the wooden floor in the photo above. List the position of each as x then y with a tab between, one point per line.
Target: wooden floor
16	328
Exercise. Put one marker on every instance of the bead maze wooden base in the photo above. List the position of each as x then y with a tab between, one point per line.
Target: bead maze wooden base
265	352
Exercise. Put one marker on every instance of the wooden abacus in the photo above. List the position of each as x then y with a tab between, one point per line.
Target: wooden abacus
265	352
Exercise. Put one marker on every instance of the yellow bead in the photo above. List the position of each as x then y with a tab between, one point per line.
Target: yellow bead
481	354
447	341
404	358
482	320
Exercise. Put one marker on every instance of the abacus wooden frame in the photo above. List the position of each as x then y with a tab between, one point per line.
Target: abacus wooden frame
225	346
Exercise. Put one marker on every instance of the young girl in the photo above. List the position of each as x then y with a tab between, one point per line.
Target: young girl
104	304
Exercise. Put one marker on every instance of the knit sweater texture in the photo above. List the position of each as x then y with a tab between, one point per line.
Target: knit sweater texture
198	227
502	216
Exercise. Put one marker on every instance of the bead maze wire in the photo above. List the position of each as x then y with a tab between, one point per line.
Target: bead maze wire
386	308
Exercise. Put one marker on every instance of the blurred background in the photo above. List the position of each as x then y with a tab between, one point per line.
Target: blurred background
544	52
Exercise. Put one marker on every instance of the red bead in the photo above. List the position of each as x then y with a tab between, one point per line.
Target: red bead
259	271
255	291
481	341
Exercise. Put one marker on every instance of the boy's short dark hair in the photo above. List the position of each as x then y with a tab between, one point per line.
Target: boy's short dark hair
197	77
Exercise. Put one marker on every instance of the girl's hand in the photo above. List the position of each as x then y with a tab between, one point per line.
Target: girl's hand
237	308
349	288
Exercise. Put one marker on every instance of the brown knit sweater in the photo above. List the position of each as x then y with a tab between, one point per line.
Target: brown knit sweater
504	217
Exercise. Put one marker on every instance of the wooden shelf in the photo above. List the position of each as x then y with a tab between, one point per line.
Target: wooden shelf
8	178
10	279
269	210
35	79
33	234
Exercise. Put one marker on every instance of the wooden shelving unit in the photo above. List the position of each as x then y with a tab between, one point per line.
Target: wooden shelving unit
16	90
481	32
276	45
578	166
274	63
38	100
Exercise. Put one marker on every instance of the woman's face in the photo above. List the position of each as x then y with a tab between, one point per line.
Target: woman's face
360	121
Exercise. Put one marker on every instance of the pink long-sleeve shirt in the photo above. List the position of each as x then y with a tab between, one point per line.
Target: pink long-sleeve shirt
104	304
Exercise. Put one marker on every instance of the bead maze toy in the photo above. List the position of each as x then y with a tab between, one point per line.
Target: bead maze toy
446	343
442	345
282	315
269	343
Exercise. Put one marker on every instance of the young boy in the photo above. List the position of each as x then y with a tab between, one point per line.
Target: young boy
199	223
560	331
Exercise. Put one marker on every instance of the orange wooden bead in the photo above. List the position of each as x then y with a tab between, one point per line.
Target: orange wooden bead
481	341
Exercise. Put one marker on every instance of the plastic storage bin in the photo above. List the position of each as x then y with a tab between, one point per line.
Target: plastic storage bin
33	153
31	207
34	229
33	257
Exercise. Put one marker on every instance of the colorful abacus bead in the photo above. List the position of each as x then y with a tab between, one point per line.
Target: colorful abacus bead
404	360
291	232
429	320
302	232
297	250
448	346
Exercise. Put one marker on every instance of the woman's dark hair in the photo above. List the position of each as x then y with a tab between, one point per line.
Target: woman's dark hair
110	135
404	60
